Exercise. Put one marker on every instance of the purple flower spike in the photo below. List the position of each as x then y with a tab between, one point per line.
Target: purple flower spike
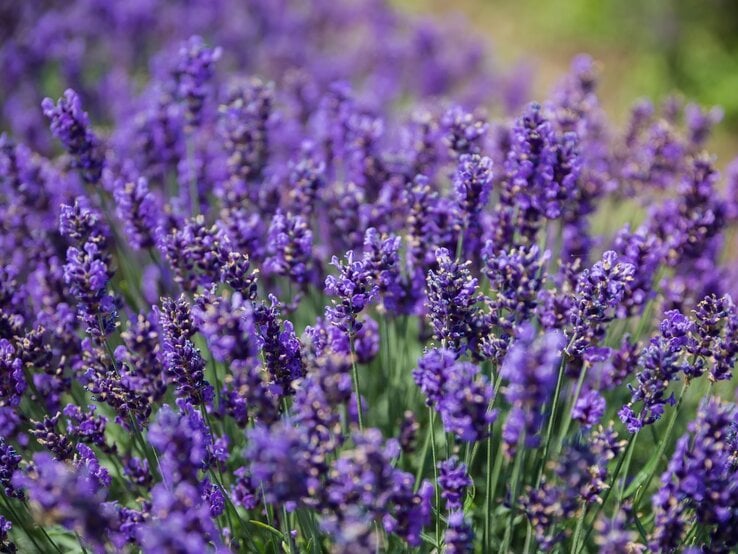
290	251
530	367
137	208
70	124
459	535
589	408
453	479
182	360
458	391
192	75
353	289
660	362
700	483
464	131
452	295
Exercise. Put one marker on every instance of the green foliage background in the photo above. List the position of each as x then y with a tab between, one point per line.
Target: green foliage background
648	48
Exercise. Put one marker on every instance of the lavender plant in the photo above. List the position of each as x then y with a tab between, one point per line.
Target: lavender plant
272	281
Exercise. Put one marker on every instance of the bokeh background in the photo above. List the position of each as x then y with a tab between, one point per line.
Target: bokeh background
647	48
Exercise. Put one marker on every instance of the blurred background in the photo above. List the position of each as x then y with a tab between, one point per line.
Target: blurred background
647	48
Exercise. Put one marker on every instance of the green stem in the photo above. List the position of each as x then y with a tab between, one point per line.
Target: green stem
567	415
515	477
492	474
551	418
214	369
81	545
606	495
460	243
626	471
149	454
287	534
267	512
21	522
435	475
528	538
488	493
357	388
423	457
662	445
580	525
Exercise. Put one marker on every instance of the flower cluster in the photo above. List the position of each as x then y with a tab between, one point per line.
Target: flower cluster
699	483
271	278
458	391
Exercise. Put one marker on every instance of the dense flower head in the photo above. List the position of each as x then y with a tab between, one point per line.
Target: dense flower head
644	252
459	392
382	260
516	277
48	435
195	251
239	275
183	361
715	337
530	369
192	74
184	442
307	180
464	132
321	396
459	536
227	323
530	163
85	426
452	294
290	250
80	224
472	186
87	275
453	478
422	230
280	464
87	458
70	497
433	370
71	125
140	356
353	289
179	521
687	225
137	207
589	408
661	361
279	345
599	291
9	462
464	408
700	480
363	486
243	122
12	379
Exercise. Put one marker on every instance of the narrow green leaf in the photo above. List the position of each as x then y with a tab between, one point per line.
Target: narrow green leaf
267	527
638	480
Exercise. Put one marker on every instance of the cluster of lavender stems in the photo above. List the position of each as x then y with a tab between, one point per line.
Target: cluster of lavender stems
274	280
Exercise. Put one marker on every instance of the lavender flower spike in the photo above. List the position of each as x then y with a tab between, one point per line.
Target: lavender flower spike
70	124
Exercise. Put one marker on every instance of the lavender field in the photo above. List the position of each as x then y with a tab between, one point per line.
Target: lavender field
300	277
